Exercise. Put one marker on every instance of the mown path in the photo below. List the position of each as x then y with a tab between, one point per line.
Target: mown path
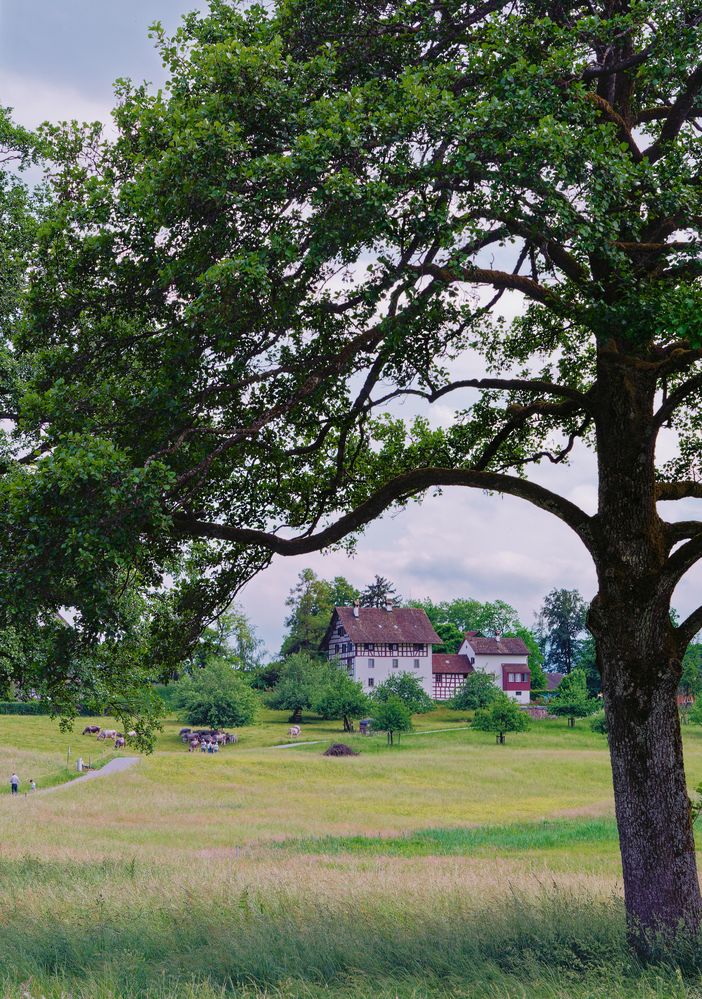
115	766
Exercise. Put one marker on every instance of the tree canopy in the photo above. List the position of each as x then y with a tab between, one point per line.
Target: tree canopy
572	698
560	626
408	689
319	214
312	601
217	696
501	716
478	690
392	716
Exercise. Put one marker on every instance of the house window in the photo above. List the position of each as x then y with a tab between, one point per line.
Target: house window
340	630
416	663
371	664
395	663
510	678
418	647
371	681
370	647
393	648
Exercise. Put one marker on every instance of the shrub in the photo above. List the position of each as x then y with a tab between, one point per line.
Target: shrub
216	696
477	691
598	723
24	708
408	689
392	716
502	716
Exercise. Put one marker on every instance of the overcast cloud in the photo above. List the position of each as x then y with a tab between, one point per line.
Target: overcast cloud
58	60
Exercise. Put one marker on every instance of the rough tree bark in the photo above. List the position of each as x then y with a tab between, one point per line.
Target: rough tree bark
640	658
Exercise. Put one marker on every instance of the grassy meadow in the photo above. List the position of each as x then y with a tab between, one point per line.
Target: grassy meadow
446	866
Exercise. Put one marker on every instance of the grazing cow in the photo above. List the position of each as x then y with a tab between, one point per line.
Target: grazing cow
101	735
91	730
185	731
194	745
231	738
108	733
120	742
294	731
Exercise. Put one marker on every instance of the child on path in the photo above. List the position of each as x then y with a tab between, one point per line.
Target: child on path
32	785
14	783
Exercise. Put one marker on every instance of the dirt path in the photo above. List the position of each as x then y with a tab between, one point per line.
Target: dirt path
115	766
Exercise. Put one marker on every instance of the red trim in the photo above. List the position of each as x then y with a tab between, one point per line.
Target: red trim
508	668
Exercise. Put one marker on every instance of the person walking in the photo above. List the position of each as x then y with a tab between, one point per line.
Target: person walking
14	783
32	785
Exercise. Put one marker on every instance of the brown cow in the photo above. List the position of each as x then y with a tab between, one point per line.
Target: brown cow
120	742
91	730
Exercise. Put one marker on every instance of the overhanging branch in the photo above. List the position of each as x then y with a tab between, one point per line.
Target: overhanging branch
400	488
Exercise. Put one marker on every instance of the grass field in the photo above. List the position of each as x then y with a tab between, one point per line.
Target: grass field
446	866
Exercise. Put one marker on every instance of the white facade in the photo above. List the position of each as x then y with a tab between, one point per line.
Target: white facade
493	663
373	662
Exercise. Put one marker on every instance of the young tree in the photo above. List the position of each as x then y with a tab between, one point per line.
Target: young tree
407	687
560	624
572	699
503	715
379	593
586	659
342	697
301	681
195	372
392	716
216	696
477	691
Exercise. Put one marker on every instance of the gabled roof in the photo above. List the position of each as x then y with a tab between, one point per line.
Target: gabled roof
496	646
441	663
374	624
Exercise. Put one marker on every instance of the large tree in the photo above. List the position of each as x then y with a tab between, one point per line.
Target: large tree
312	601
560	625
322	211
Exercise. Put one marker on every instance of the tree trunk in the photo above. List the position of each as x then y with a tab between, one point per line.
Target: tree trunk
640	661
296	716
347	724
661	887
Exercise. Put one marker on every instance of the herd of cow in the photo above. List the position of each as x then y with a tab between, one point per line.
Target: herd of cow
109	733
206	739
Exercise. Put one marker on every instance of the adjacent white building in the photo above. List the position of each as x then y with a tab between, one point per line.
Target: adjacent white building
374	643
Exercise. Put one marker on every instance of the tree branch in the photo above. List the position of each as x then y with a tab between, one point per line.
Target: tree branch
401	488
675	399
689	627
678	490
678	114
498	279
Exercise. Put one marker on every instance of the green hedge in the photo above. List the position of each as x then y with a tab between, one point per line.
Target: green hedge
24	708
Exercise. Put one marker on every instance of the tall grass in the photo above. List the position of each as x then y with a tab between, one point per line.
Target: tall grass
549	942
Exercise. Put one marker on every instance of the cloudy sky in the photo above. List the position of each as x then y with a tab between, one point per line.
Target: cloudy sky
58	60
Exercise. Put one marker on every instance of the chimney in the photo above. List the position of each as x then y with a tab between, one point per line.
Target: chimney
388	604
356	608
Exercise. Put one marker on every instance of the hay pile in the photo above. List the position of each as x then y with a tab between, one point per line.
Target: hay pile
340	749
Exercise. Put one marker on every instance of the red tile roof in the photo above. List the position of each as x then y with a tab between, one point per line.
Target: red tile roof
441	663
375	624
496	646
